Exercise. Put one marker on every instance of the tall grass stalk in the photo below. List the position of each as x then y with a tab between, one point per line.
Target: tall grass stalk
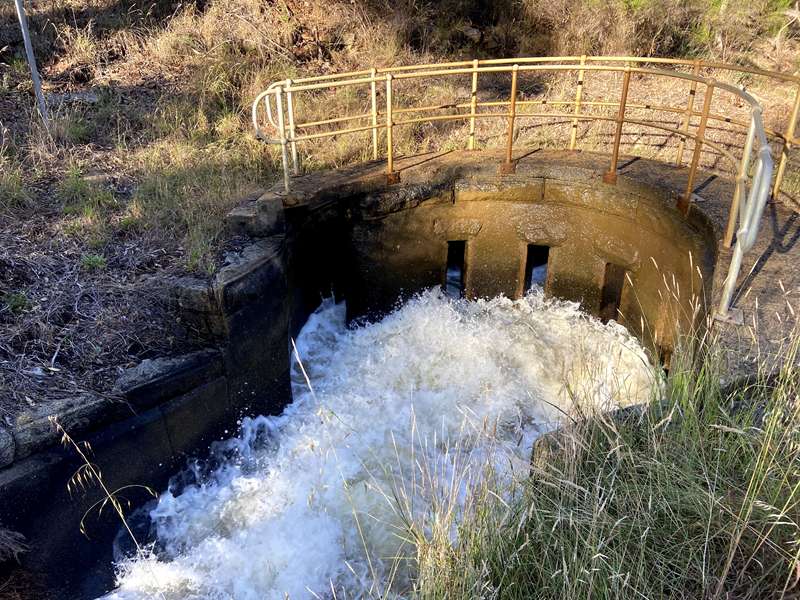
89	473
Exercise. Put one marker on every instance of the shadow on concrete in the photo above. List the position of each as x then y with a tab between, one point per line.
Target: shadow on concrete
428	156
784	238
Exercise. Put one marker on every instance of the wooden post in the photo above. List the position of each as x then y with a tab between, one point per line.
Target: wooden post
473	105
282	132
37	82
509	166
787	145
611	176
683	203
573	136
374	94
293	144
391	176
687	114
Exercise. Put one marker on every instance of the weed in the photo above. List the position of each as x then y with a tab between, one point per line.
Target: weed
16	302
93	262
83	197
12	188
88	474
71	128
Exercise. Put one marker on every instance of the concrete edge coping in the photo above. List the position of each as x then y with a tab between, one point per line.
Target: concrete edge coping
151	382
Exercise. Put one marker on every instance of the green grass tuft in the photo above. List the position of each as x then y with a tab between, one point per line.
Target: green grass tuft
93	262
16	302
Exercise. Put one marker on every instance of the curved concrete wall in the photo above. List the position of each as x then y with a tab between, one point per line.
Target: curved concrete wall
374	245
668	260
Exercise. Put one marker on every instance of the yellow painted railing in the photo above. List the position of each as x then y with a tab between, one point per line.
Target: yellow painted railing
751	160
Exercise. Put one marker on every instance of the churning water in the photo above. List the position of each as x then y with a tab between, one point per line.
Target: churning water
389	421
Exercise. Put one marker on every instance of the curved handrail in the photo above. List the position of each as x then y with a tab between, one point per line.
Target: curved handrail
277	105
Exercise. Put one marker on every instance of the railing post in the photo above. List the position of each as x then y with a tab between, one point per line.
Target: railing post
748	230
37	80
293	144
282	133
509	166
741	179
391	175
683	203
687	115
573	136
787	144
611	176
473	105
374	94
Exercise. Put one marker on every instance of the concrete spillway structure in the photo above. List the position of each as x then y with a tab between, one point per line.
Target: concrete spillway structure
625	250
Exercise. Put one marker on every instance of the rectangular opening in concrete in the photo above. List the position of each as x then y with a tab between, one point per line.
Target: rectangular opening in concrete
456	266
536	266
611	294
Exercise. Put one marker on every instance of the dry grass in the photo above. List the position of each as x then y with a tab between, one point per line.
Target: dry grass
208	63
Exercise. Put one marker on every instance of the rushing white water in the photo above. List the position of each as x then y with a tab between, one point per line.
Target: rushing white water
312	503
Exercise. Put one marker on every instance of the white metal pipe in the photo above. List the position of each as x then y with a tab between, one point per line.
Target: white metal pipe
37	81
292	142
282	133
751	223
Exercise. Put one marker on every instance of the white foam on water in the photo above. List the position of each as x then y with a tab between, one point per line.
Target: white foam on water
310	503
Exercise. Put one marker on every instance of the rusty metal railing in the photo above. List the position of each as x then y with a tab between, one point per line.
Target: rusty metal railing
753	168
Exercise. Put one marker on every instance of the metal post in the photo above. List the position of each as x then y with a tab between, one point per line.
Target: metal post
611	176
290	110
473	105
687	115
741	179
573	136
787	144
683	203
391	176
509	166
747	233
374	94
282	133
37	82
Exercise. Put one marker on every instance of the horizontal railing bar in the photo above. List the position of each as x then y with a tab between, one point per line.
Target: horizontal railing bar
547	59
323	134
713	117
334	120
546	67
345	82
581	117
440	118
